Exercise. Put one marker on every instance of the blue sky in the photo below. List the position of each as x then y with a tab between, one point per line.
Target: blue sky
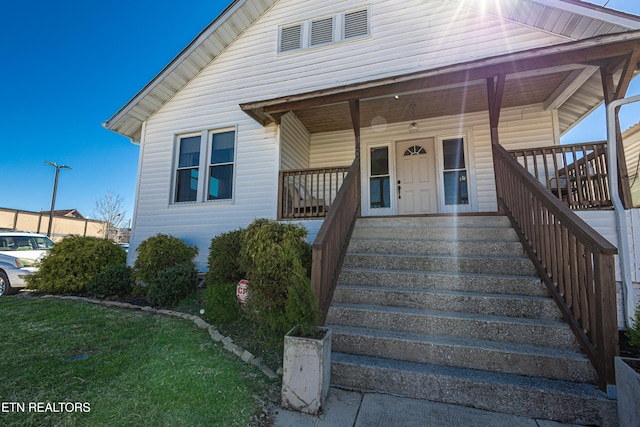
66	67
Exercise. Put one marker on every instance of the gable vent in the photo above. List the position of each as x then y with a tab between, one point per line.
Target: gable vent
291	38
322	31
356	24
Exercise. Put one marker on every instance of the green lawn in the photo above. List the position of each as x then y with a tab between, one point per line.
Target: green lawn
135	369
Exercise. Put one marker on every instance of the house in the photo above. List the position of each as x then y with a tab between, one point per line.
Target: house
322	112
71	213
631	138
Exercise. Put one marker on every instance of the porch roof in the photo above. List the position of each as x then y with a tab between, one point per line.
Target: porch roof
560	76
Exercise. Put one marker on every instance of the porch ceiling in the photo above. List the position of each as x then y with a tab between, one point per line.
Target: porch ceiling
442	101
549	75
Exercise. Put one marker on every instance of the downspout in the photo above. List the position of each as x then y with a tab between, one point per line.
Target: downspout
621	219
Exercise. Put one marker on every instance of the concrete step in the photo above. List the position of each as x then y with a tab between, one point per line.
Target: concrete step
540	398
483	234
518	266
433	247
541	332
467	221
487	283
467	302
521	359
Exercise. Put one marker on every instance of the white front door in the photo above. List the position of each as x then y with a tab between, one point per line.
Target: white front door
416	176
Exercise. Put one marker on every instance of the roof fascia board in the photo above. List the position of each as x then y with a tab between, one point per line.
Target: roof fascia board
208	31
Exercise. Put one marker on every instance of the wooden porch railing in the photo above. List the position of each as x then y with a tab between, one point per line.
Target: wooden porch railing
331	242
577	174
308	193
576	263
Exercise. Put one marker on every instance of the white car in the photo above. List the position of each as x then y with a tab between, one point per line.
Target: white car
19	253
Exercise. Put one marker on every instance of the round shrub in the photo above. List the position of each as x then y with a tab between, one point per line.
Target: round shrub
158	253
221	304
73	263
116	280
172	285
224	259
273	255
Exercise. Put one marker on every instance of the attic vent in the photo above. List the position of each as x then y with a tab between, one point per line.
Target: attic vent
335	28
291	38
356	24
322	31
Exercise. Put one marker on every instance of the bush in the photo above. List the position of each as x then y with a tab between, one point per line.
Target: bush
273	254
73	263
115	280
224	259
633	333
301	307
172	284
221	305
158	253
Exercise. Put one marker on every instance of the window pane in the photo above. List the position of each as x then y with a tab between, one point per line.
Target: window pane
189	152
453	152
455	188
187	185
222	145
220	182
379	161
379	192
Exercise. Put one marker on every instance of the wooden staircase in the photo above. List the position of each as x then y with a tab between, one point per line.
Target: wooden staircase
449	309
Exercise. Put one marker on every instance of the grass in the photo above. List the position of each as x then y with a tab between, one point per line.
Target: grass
243	332
139	370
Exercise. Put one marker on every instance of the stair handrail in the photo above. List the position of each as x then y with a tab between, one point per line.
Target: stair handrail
330	244
575	262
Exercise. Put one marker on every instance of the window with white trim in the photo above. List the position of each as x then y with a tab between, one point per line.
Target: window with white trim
322	31
187	175
205	167
221	166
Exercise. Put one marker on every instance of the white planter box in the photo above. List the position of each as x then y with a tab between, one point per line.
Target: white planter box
306	371
628	385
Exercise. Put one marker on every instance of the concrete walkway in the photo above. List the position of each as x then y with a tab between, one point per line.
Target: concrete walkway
357	409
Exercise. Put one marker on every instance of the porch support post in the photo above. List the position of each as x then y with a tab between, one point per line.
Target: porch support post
495	91
612	93
354	108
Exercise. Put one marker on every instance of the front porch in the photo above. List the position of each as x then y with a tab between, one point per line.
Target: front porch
488	141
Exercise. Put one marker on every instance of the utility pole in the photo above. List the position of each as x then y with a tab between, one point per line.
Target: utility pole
55	189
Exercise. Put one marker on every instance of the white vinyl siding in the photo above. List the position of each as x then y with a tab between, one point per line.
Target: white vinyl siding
406	36
604	222
632	154
294	143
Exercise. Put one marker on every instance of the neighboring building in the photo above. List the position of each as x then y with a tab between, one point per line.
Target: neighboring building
264	112
632	153
71	213
65	223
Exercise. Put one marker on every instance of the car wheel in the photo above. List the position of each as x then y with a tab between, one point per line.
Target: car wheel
5	287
